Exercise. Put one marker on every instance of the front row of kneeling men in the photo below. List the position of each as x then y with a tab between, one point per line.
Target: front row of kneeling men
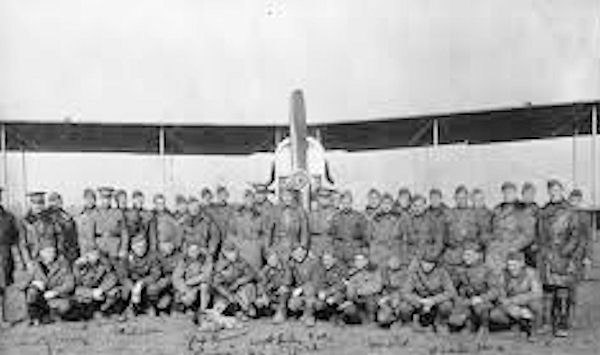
301	285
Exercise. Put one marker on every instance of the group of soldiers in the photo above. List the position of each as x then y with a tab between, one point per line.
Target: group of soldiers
408	259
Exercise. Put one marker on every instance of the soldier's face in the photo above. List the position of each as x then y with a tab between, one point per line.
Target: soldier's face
478	200
48	255
273	260
223	196
193	251
575	200
515	267
194	208
166	248
139	248
346	202
470	257
182	207
462	199
394	263
427	266
404	200
122	201
373	200
248	200
207	198
57	202
328	260
138	201
299	254
104	202
386	205
435	200
260	197
230	255
159	204
556	193
287	197
529	195
509	195
89	201
419	206
360	261
37	207
93	256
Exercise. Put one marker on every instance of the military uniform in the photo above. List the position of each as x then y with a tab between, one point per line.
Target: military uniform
234	283
274	287
89	277
110	232
246	230
438	214
201	229
349	230
389	303
84	224
513	229
9	238
484	219
461	227
222	213
67	230
420	232
304	280
164	226
38	228
160	292
191	278
56	277
136	270
370	211
319	225
137	222
385	237
363	290
288	229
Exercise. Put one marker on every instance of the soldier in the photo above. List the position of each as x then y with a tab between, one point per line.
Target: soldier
528	193
420	231
109	228
394	277
363	289
163	226
513	227
234	283
137	218
384	232
528	203
9	251
373	202
222	211
304	270
181	208
138	272
161	292
262	203
67	227
520	296
478	289
437	208
120	197
461	226
289	225
52	284
331	285
37	226
246	231
96	283
319	221
482	213
402	205
199	227
349	229
427	293
206	197
559	231
84	222
191	280
274	286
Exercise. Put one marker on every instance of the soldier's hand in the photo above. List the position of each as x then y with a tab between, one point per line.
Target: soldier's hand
297	292
97	294
38	284
322	295
50	294
476	300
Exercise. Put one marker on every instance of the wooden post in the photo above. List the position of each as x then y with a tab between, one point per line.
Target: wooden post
161	153
436	132
3	148
593	165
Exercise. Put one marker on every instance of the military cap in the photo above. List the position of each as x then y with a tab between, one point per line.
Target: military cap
221	189
515	255
554	182
435	191
508	185
527	186
474	246
461	188
37	196
418	197
576	193
138	238
404	191
157	196
137	193
47	243
192	199
477	191
54	196
374	191
105	191
387	196
88	192
205	192
120	192
431	255
262	188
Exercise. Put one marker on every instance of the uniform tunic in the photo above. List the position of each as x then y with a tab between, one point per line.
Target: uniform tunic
350	233
385	237
203	230
247	231
513	228
68	232
288	229
91	276
420	232
36	228
9	237
319	222
461	227
164	227
110	231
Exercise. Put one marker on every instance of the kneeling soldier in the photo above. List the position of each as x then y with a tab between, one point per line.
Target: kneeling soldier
428	292
275	281
304	270
234	283
96	284
394	277
478	289
331	285
363	289
160	292
191	279
520	297
137	273
52	285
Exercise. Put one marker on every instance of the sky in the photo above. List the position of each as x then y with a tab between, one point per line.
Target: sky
236	62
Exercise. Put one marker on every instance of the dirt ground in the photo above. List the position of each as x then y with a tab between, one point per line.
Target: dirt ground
177	335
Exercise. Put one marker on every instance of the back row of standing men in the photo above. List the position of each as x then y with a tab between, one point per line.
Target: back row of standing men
554	238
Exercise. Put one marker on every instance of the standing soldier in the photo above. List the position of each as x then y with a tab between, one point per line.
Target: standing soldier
528	193
437	208
482	212
289	225
52	284
110	231
262	203
420	232
84	222
246	231
520	295
67	227
191	280
137	218
560	240
349	229
304	268
584	254
363	290
163	226
199	227
274	286
513	228
461	227
206	197
9	239
319	222
120	197
37	227
427	293
384	232
402	205
181	208
222	211
373	203
532	209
